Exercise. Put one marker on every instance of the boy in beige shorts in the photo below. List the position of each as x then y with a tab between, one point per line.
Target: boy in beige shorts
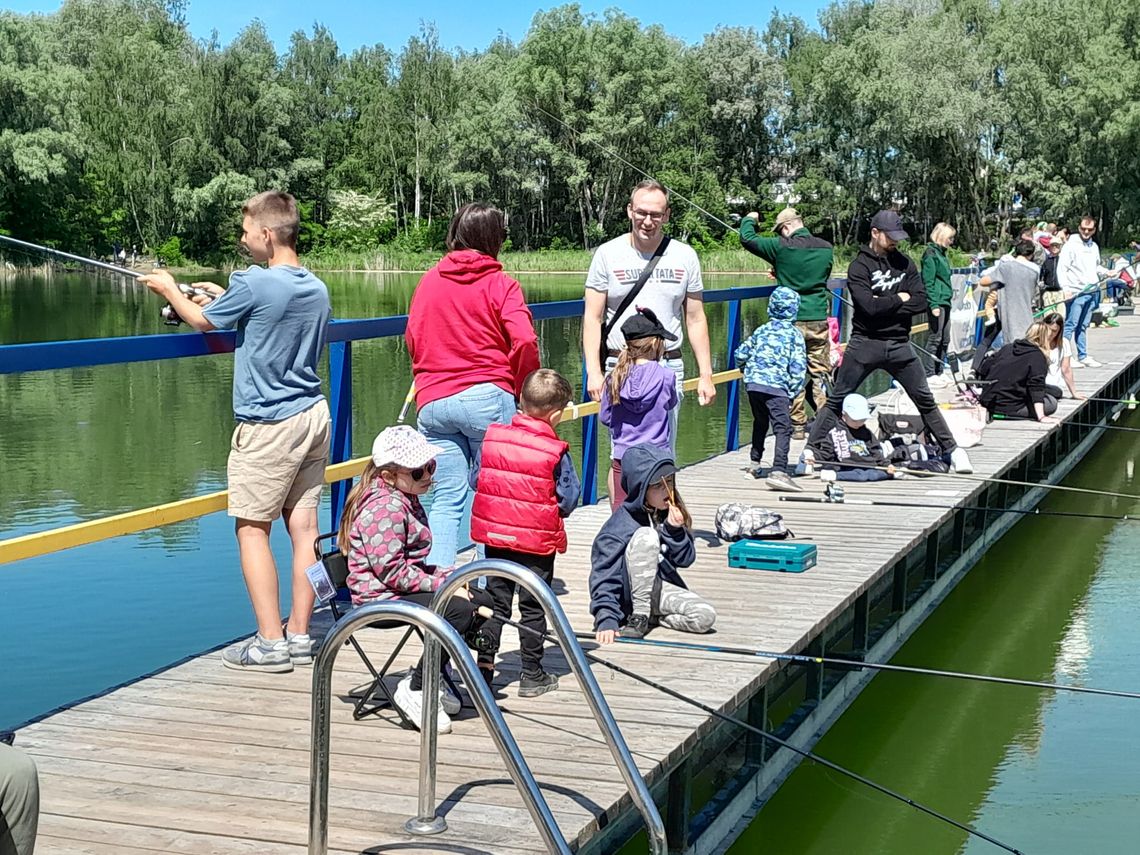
281	442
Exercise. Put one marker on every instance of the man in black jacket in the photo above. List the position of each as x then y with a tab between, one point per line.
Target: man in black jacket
887	292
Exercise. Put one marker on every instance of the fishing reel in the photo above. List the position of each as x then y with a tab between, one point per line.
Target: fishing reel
170	317
833	493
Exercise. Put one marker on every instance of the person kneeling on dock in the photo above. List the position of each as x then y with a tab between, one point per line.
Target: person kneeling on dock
848	451
634	581
525	484
1015	378
385	535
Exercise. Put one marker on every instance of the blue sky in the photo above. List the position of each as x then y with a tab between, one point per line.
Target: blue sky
470	25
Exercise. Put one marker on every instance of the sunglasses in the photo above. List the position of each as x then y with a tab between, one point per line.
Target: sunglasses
419	472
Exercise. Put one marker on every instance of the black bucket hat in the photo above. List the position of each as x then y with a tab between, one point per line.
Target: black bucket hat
644	324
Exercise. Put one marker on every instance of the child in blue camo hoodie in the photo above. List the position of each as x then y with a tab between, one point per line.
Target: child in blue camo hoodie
775	369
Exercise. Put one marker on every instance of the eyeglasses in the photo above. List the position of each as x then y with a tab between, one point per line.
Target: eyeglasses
656	216
419	472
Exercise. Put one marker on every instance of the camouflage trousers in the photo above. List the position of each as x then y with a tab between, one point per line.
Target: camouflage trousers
819	370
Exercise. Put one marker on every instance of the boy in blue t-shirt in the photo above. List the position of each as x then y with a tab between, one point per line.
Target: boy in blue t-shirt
281	443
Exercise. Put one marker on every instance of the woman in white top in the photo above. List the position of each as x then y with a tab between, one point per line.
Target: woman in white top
1060	374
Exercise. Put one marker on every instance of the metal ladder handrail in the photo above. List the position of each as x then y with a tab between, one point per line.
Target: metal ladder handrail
438	631
427	822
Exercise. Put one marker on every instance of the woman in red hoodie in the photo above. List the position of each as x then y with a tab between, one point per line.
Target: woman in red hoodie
472	342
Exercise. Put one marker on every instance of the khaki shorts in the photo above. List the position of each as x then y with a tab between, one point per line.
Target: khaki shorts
277	465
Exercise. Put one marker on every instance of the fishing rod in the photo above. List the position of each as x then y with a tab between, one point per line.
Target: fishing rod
921	474
645	174
832	499
102	265
751	728
1090	425
859	665
408	398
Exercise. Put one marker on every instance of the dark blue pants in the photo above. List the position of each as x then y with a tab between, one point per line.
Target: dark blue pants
771	411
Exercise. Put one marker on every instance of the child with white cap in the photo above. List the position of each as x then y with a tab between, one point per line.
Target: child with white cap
384	533
848	451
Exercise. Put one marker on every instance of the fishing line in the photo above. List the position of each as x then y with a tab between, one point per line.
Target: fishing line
673	693
920	475
102	265
874	666
636	169
1033	512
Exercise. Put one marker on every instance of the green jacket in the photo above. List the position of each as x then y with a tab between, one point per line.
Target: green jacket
936	277
802	262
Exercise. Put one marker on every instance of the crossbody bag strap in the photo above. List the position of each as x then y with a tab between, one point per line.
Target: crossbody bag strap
632	295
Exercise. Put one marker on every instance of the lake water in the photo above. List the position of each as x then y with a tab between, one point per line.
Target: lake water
1047	772
85	443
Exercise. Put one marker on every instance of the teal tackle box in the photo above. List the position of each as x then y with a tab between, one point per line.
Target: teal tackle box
772	555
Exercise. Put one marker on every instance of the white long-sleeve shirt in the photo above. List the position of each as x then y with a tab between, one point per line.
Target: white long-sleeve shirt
1079	265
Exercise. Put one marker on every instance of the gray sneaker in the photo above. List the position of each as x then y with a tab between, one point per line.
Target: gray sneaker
782	482
301	648
532	687
257	654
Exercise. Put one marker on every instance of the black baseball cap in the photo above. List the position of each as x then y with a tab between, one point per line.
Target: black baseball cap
890	223
644	324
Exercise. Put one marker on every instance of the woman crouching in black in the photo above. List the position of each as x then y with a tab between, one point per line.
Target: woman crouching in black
1015	378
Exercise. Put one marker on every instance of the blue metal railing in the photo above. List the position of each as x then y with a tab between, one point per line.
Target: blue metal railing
48	356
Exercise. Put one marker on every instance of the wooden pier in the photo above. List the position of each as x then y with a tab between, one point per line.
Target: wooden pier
202	760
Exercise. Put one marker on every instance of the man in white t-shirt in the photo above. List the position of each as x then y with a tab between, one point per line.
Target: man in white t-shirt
674	291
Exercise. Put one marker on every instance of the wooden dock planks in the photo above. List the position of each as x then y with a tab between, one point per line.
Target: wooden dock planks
201	760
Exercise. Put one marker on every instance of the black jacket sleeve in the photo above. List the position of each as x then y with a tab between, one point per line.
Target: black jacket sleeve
916	288
867	301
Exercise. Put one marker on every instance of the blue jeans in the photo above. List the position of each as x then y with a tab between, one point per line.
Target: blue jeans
1078	318
457	424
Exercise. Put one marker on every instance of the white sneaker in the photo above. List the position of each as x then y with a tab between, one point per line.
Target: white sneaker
411	705
1089	362
938	381
809	461
827	476
960	461
1075	363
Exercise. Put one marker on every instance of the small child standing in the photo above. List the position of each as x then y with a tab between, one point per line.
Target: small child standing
638	395
525	484
775	370
634	581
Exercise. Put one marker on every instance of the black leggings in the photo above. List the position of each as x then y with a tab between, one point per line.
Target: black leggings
937	340
1026	411
988	337
460	613
531	613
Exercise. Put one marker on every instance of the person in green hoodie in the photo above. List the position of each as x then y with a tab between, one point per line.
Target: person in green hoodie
939	294
802	262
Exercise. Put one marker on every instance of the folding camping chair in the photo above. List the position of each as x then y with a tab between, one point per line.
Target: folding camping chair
371	697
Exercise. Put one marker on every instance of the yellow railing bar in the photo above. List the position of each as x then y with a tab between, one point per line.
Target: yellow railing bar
132	522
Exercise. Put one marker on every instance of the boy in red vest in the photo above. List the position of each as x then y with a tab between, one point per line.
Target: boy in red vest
525	484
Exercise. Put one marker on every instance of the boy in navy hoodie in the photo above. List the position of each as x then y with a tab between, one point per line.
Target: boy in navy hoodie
634	581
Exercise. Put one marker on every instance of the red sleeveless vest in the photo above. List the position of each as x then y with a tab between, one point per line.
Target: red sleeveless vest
515	505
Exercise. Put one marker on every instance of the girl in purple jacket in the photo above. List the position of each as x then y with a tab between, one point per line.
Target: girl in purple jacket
638	395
